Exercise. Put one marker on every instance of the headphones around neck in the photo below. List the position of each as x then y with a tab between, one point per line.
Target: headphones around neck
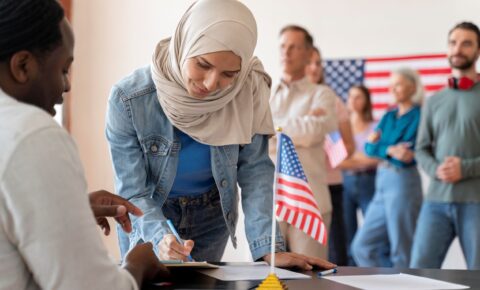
462	83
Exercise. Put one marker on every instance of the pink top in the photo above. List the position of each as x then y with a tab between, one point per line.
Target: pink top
361	137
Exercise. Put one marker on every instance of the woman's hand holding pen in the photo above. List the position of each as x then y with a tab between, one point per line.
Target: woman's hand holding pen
171	249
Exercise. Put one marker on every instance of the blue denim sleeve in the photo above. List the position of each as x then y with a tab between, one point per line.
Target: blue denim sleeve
131	175
255	178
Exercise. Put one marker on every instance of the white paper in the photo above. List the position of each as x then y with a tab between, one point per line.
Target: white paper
393	282
253	272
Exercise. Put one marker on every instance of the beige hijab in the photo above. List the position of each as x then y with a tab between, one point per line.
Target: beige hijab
229	116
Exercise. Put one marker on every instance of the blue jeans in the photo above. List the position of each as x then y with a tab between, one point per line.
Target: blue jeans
358	190
438	224
386	237
200	218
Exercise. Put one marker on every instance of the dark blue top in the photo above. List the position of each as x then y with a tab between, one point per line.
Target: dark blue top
194	171
393	130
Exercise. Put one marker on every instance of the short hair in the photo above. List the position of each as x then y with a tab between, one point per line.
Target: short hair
308	36
414	78
467	26
367	113
32	25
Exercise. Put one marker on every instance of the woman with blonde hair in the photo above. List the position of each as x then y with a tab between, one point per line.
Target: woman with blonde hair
385	239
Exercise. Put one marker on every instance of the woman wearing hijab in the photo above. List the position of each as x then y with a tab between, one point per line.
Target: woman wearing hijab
186	130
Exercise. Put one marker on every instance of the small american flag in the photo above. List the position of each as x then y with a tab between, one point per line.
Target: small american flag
374	73
335	148
295	202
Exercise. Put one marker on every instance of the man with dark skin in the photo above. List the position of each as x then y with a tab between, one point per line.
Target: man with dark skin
35	57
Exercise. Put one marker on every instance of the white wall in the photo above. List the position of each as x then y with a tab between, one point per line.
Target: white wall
113	37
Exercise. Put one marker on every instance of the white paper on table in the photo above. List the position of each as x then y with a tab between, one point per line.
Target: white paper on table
253	272
393	282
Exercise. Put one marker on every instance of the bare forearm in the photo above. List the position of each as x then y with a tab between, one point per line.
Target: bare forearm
346	132
358	162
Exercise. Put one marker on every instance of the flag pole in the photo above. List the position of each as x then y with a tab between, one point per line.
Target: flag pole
274	220
272	282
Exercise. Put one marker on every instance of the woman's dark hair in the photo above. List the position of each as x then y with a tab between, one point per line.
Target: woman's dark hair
367	113
32	25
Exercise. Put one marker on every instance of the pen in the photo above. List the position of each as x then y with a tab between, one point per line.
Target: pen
174	232
327	272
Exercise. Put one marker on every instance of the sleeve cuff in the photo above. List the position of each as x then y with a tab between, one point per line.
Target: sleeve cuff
382	151
466	169
132	280
136	239
260	247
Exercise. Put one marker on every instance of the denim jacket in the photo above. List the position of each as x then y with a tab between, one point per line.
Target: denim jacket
145	150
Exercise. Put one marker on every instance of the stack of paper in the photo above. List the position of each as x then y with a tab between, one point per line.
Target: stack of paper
250	272
393	282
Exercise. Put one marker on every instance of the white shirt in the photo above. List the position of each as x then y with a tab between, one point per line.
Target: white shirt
291	105
48	236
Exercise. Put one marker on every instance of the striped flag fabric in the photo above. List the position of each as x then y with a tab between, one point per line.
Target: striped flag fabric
295	202
374	73
335	148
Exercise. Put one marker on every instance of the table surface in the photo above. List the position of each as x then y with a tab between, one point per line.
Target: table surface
190	279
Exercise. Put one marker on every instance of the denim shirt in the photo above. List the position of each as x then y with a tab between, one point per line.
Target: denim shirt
145	150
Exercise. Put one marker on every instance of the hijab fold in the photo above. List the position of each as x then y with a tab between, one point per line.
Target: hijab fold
229	116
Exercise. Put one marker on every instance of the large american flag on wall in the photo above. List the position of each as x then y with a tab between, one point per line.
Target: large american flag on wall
374	73
294	198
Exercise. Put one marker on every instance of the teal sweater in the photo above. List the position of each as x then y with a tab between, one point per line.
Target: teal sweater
394	130
450	126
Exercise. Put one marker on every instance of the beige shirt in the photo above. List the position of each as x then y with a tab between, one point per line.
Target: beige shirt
290	110
48	236
334	175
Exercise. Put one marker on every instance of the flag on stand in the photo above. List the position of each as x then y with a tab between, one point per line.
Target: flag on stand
295	202
374	73
335	148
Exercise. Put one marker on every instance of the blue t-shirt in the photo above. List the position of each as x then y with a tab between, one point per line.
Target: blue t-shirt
194	171
393	130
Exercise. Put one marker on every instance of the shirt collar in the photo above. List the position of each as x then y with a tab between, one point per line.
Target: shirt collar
3	94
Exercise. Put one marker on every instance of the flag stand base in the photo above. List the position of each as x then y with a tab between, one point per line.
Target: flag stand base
272	283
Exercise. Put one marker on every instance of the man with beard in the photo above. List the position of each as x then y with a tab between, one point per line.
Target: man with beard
448	150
